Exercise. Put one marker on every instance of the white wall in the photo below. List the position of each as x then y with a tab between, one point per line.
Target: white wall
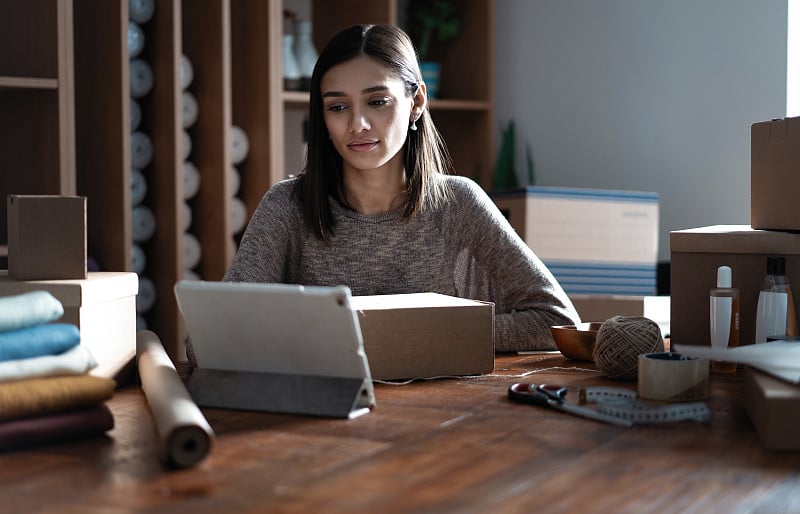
647	95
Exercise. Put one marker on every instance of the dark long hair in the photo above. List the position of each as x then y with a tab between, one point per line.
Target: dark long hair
425	152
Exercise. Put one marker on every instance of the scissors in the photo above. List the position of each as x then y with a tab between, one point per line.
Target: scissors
554	396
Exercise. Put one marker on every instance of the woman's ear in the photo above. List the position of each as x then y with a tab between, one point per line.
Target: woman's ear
421	97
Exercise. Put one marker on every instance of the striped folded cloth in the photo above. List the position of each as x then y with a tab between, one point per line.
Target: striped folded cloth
49	339
28	310
40	396
75	361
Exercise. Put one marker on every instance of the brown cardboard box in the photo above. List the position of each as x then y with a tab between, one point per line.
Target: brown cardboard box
46	237
775	174
695	256
774	408
593	307
103	307
425	335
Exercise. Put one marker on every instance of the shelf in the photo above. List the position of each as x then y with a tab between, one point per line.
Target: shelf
27	83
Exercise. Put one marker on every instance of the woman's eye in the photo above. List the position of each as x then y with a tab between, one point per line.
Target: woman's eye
336	107
379	102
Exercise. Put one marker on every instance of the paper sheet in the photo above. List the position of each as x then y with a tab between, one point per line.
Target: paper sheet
778	358
184	432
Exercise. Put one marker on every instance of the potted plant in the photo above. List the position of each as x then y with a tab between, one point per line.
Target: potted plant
429	22
505	172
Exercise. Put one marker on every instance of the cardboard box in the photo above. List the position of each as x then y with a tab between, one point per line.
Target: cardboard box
425	335
603	307
46	237
103	306
595	241
774	408
695	256
775	174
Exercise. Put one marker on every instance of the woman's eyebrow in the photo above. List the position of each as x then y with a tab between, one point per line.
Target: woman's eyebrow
367	90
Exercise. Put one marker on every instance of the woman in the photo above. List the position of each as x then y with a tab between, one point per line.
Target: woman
374	209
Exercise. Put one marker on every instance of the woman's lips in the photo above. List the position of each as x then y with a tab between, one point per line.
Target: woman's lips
362	146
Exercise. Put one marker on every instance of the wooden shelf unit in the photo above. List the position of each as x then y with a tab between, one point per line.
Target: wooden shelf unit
65	110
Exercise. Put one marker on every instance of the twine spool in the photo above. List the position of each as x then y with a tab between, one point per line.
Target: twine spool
621	340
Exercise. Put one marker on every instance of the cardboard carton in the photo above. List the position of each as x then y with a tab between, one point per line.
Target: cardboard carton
46	237
775	174
595	241
774	408
102	306
695	256
602	307
425	335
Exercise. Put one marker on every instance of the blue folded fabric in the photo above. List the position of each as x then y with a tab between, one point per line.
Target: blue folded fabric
50	339
28	310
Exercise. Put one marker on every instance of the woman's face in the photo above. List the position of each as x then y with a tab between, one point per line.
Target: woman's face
367	112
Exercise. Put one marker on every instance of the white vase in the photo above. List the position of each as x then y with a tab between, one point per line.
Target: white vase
291	70
305	52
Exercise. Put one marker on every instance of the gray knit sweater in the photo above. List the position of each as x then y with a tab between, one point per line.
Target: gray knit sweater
465	248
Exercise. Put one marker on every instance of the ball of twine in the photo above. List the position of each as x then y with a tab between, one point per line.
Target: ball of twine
621	340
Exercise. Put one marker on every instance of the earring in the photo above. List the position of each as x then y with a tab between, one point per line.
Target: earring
413	125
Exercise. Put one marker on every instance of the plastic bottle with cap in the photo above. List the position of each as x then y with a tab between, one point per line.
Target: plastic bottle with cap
724	317
775	313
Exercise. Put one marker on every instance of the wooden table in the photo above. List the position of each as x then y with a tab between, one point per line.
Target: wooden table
445	445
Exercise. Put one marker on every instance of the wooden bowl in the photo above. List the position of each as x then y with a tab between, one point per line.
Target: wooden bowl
576	341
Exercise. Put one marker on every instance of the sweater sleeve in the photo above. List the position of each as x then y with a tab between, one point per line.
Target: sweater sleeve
528	299
266	246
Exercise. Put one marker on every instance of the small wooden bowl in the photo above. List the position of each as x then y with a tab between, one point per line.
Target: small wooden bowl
576	341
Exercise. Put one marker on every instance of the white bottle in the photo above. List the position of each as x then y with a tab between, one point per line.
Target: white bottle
724	317
291	70
775	313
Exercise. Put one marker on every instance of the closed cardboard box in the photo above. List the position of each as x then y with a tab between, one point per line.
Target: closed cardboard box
46	237
774	408
775	174
695	256
102	306
595	241
424	335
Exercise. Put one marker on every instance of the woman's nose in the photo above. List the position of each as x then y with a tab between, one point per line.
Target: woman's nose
358	121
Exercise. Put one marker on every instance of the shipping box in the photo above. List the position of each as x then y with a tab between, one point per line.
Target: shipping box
102	306
46	237
423	335
775	174
595	241
602	307
774	408
695	256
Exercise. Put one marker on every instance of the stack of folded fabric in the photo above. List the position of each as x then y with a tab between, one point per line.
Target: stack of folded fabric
46	392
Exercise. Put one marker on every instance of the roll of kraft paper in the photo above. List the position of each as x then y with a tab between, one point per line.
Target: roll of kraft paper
184	432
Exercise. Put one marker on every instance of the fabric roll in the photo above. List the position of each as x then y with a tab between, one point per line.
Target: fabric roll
75	361
40	396
50	339
54	428
28	310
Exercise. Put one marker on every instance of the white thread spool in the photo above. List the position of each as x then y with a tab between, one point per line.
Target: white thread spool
141	150
240	145
138	187
238	215
186	145
141	11
191	180
136	115
235	180
186	72
187	216
144	223
192	252
190	109
138	259
141	78
146	297
135	40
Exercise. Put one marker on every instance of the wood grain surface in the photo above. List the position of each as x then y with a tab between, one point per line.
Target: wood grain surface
451	445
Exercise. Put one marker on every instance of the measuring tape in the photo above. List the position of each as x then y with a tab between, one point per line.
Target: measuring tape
623	403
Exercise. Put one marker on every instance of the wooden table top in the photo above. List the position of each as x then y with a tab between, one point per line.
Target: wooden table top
453	445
